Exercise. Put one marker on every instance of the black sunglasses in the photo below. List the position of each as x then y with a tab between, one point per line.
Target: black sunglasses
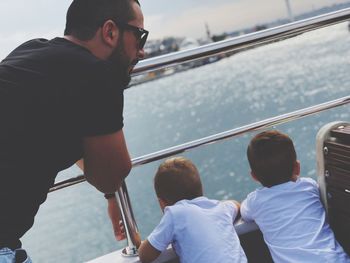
140	33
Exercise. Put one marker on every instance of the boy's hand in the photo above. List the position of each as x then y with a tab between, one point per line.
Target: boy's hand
115	217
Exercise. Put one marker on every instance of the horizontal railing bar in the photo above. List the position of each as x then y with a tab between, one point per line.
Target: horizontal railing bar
69	182
267	123
237	43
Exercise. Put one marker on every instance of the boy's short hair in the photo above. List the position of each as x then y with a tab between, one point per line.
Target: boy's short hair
177	179
271	156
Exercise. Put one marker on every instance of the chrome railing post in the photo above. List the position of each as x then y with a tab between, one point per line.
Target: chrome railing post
130	226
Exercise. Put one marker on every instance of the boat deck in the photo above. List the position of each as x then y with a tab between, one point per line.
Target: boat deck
167	256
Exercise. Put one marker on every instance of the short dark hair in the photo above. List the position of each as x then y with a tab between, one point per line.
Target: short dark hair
84	17
271	157
177	179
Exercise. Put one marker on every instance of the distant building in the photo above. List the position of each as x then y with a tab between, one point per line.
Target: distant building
290	13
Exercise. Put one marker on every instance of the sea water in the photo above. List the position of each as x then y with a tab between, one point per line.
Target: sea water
73	226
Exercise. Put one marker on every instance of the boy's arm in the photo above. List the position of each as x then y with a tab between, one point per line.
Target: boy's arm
237	205
238	216
158	240
147	252
245	211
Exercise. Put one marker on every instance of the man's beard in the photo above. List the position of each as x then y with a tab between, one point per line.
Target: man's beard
121	64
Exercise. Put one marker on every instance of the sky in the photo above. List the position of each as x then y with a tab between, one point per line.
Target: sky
188	17
25	19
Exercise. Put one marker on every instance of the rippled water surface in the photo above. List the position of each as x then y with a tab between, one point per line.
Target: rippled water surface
72	226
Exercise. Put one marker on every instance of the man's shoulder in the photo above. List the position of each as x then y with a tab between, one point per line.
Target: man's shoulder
35	42
75	59
57	52
66	51
69	51
25	49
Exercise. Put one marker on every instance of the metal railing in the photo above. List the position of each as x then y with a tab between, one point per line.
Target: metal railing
250	40
123	200
242	42
256	126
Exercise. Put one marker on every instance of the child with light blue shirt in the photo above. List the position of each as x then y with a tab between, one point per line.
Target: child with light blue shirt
288	209
200	230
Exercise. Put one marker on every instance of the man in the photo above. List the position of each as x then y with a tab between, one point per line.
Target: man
61	100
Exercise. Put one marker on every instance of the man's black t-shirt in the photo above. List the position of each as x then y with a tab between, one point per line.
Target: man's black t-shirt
52	94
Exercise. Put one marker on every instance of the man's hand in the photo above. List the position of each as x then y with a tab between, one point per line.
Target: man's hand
137	239
115	216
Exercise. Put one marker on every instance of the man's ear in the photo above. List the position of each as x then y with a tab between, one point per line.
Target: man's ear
110	33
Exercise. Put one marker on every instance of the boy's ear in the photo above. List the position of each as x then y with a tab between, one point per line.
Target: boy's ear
296	169
162	203
254	176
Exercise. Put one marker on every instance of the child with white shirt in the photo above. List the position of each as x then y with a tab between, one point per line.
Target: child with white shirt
287	208
199	229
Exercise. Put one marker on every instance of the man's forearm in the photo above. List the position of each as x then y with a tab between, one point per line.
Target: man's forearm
91	180
106	161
